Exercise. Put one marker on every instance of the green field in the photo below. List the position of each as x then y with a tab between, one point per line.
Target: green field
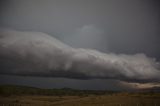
28	96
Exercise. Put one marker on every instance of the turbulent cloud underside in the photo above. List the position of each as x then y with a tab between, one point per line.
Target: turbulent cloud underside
39	54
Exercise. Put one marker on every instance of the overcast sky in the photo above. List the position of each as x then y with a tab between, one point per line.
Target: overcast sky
127	27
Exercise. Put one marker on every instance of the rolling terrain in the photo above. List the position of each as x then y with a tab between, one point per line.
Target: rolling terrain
29	96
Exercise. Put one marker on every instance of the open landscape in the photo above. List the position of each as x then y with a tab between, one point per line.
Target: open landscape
79	52
29	96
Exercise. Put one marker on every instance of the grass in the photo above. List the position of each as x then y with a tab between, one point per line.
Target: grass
91	100
73	99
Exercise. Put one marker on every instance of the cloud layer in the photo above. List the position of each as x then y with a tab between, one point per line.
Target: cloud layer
38	54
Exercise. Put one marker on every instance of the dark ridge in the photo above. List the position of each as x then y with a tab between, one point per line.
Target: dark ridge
152	89
25	90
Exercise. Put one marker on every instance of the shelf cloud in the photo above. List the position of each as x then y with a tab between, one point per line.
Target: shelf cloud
39	54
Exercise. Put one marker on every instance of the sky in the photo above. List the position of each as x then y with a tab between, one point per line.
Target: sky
82	44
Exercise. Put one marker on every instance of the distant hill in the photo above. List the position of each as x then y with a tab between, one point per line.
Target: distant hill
25	90
153	89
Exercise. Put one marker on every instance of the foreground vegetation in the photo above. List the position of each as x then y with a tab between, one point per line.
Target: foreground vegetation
28	96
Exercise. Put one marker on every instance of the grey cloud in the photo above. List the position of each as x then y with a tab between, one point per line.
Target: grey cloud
129	26
88	36
38	54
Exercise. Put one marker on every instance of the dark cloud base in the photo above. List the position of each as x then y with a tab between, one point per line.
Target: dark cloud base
38	54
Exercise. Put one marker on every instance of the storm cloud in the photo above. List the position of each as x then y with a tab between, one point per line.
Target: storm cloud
39	54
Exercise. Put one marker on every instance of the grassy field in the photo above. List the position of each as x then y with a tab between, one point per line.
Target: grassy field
110	99
91	100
